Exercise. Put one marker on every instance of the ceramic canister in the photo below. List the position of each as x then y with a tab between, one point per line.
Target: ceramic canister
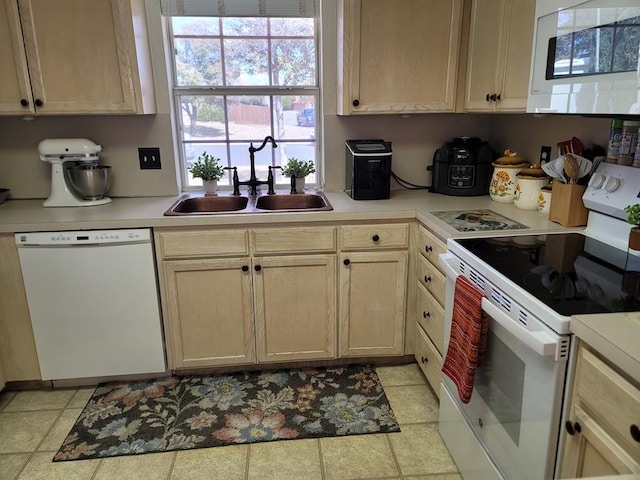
503	182
528	190
544	200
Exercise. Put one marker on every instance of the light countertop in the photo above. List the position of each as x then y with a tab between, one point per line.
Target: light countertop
30	215
616	336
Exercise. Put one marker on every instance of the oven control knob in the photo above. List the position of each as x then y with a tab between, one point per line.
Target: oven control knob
612	184
597	180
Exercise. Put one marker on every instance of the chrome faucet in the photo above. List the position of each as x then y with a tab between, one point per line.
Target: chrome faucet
253	181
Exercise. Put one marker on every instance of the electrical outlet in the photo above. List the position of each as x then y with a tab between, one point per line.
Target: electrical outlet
149	158
545	154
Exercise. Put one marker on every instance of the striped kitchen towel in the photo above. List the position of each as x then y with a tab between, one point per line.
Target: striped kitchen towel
467	343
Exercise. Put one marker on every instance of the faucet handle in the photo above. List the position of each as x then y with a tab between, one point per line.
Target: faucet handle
270	180
236	180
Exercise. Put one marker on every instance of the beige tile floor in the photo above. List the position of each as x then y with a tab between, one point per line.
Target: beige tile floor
33	425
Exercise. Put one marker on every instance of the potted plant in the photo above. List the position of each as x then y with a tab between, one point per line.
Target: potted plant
298	170
208	168
633	217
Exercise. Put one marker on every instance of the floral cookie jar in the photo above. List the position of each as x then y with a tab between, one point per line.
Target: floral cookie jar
503	182
529	184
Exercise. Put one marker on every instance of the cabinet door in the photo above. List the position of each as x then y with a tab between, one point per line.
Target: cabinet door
485	38
82	56
518	44
372	303
592	452
500	43
17	346
3	375
398	57
208	312
14	76
295	299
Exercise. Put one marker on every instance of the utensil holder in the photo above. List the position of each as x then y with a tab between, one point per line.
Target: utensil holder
567	207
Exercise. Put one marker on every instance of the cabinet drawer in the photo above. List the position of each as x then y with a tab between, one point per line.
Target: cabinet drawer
431	317
431	278
296	239
202	243
429	245
370	237
608	397
429	360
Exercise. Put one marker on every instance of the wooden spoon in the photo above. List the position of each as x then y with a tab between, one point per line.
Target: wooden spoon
571	168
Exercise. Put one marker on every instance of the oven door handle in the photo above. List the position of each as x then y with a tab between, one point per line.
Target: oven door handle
445	260
540	342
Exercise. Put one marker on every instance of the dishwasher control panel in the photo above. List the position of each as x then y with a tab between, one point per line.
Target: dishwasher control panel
83	237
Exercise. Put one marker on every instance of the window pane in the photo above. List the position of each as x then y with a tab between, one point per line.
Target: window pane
202	118
294	62
195	26
249	117
246	62
244	27
296	27
191	153
198	62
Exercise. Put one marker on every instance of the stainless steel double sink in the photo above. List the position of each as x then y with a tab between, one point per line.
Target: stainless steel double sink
226	204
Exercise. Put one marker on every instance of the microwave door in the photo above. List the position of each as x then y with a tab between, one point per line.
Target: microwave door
585	58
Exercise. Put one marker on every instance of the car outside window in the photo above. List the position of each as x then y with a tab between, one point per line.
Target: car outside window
238	80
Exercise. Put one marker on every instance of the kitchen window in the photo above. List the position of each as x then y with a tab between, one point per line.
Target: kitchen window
243	70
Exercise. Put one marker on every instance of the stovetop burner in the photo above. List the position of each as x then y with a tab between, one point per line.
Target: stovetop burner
571	273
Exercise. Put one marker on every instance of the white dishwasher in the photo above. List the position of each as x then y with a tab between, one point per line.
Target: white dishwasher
93	301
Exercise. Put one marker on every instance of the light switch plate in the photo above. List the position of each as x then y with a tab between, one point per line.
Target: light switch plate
149	158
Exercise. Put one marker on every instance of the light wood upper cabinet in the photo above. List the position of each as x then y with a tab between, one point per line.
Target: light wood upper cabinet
81	57
398	57
500	43
602	434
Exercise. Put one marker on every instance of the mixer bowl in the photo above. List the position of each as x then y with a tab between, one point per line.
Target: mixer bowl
91	182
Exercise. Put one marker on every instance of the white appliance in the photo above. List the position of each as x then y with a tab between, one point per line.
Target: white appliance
585	57
93	301
58	151
511	427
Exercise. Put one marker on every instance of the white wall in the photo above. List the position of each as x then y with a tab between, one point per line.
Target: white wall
414	139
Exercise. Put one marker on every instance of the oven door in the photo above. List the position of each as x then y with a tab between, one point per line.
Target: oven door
514	411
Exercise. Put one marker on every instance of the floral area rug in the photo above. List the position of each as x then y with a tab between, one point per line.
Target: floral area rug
181	413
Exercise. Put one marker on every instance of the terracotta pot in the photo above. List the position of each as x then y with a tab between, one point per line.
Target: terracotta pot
634	238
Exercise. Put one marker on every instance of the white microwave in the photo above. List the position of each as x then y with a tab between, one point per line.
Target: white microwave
586	57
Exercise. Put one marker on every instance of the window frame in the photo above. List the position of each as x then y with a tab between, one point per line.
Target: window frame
224	91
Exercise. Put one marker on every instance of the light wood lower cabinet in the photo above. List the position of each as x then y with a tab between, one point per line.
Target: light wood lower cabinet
248	308
209	312
372	303
3	375
17	345
430	298
271	295
295	299
602	433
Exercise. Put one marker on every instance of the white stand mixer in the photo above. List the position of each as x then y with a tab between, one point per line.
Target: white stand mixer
57	152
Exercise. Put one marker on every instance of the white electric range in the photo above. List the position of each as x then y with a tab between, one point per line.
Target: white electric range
533	284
